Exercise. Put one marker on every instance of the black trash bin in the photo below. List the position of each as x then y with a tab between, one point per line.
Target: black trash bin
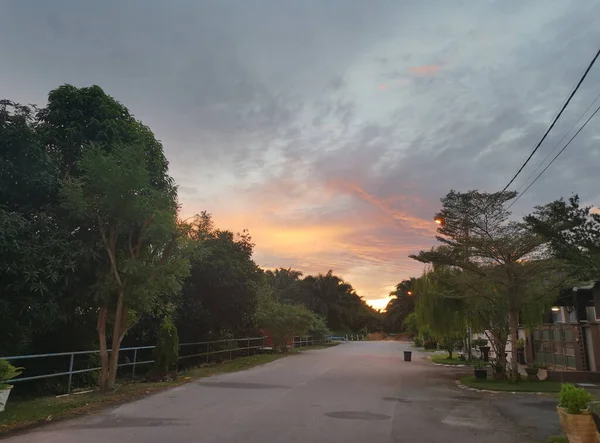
407	355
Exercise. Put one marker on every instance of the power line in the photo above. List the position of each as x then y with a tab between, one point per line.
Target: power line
555	157
558	143
554	121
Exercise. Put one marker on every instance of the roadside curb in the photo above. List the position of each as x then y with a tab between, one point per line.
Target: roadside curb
487	391
449	366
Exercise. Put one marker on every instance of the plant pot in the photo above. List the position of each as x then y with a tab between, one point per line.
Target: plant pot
578	428
480	374
532	374
4	393
407	355
485	353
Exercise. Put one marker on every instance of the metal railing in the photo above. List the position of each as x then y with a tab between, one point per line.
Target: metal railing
187	351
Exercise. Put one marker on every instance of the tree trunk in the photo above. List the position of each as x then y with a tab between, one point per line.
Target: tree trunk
101	327
450	354
119	330
513	321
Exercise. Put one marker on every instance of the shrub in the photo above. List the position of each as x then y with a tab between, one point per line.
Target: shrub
7	373
479	343
430	344
574	399
167	347
418	341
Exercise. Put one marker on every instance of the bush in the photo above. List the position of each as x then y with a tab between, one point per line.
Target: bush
166	352
479	343
430	344
574	399
418	342
7	373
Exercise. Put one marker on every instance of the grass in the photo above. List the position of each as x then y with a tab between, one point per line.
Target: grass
557	439
507	386
317	347
445	360
21	414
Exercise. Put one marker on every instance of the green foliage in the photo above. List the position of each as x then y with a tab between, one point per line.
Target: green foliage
285	321
574	399
328	296
479	343
137	225
8	372
573	234
166	352
319	330
502	266
400	307
219	297
418	341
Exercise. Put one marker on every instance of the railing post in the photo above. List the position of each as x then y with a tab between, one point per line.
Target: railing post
248	347
229	344
70	373
207	351
134	361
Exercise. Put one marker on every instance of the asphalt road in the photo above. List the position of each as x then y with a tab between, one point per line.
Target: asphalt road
360	392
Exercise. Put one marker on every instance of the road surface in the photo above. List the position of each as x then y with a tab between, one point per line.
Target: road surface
358	392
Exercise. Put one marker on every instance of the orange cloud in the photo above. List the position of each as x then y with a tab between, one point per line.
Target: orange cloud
411	221
424	71
383	87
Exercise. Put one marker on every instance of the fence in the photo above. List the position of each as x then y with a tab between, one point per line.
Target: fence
189	354
194	353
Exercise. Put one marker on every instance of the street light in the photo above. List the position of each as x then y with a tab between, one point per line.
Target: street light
409	292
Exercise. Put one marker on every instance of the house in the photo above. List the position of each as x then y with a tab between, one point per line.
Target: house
569	340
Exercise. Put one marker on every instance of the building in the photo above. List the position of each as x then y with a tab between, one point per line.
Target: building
569	341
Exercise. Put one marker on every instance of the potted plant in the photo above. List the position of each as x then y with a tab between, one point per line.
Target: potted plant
532	371
574	414
497	370
479	370
7	373
484	349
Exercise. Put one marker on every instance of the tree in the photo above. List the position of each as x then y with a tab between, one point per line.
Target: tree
285	321
572	233
496	252
166	352
219	297
400	307
438	311
39	254
331	297
138	232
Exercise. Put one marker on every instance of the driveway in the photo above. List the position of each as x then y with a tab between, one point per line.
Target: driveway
356	392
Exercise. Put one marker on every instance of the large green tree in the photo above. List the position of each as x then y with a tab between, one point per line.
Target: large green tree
480	239
40	255
138	233
219	297
572	232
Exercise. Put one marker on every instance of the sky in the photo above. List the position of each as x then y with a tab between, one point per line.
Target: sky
330	129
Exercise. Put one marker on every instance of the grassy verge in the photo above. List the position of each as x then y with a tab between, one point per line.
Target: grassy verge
317	347
445	360
20	414
557	439
507	386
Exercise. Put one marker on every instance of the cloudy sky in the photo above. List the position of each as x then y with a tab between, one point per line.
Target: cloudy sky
329	128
